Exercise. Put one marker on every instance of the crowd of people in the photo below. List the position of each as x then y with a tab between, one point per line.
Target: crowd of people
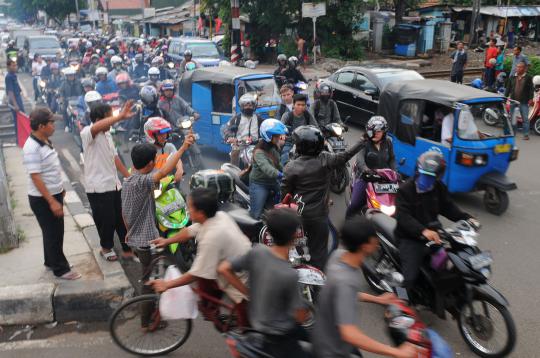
259	280
516	85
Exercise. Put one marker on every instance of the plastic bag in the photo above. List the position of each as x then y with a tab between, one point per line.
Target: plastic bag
179	302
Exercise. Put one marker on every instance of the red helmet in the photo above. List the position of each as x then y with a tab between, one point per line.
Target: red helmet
155	126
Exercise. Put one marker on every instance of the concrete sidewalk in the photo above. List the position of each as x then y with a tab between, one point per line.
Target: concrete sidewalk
30	294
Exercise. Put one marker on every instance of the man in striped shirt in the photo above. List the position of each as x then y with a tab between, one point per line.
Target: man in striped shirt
46	192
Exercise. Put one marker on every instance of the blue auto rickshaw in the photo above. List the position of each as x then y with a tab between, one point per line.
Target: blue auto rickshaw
214	93
448	117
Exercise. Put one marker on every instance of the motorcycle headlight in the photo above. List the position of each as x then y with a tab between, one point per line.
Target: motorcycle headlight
338	130
116	112
186	124
42	84
389	210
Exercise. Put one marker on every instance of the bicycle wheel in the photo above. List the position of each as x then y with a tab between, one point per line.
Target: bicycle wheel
137	327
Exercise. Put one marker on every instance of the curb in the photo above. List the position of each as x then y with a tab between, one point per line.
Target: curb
70	300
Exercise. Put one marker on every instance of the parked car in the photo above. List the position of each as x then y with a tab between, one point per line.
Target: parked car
205	52
46	46
357	89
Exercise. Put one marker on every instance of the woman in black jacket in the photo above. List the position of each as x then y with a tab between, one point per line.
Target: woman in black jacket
376	142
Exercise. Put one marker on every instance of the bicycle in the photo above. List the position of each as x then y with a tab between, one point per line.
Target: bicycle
138	328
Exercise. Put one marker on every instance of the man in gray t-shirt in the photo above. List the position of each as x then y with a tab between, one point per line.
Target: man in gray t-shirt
275	302
336	333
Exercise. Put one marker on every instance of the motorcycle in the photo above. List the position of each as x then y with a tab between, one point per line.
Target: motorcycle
335	143
453	279
311	279
72	112
534	112
193	154
171	216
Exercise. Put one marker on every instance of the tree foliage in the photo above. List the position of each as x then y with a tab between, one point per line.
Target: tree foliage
55	9
273	18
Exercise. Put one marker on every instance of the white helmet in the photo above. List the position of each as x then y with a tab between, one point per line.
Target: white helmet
101	71
153	71
92	96
536	80
69	71
116	59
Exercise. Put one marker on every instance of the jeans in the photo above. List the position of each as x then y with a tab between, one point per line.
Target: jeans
37	91
490	76
260	194
524	110
285	153
14	113
52	229
457	77
107	213
358	197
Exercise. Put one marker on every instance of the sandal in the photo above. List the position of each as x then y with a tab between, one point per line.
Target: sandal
71	275
109	256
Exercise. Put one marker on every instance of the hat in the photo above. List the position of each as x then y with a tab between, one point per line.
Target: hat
42	115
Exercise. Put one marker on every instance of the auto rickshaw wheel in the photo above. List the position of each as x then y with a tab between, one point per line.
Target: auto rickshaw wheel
495	200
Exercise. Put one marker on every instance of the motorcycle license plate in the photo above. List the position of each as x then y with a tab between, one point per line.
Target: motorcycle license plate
502	148
481	260
386	188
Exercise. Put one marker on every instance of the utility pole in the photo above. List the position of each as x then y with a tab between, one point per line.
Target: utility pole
77	13
475	14
236	49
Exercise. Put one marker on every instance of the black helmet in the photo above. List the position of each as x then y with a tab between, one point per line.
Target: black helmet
149	95
309	140
188	53
293	61
431	163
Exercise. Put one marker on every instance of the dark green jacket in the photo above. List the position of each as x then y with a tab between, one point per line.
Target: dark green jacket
528	90
265	167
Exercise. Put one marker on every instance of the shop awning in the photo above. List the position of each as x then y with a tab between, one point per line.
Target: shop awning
504	11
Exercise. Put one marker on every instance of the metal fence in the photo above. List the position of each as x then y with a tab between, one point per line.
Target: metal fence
8	233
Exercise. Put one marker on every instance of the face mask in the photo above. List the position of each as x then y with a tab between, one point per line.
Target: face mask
425	183
248	111
325	98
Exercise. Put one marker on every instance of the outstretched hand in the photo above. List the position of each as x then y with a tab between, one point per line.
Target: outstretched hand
126	111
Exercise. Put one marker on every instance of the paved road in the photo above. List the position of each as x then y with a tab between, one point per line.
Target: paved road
512	239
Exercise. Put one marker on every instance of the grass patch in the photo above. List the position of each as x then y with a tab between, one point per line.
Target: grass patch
21	235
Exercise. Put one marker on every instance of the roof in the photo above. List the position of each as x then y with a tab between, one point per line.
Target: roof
219	75
504	11
442	92
375	68
122	4
225	75
169	15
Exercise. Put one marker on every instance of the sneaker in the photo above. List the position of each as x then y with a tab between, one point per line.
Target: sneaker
525	137
71	276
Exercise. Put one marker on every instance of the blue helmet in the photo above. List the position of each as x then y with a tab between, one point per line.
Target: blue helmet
271	127
477	83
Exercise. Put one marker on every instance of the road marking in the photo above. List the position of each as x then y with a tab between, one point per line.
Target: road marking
71	160
54	343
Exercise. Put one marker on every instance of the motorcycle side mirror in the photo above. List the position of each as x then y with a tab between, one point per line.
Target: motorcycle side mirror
371	160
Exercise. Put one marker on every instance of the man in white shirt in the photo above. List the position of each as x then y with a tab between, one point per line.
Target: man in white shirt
103	188
46	191
447	128
219	238
37	65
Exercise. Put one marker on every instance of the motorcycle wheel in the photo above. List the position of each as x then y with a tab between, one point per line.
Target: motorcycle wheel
478	334
496	201
339	180
536	126
490	121
371	266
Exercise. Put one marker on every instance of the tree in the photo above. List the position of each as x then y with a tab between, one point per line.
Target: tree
57	10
